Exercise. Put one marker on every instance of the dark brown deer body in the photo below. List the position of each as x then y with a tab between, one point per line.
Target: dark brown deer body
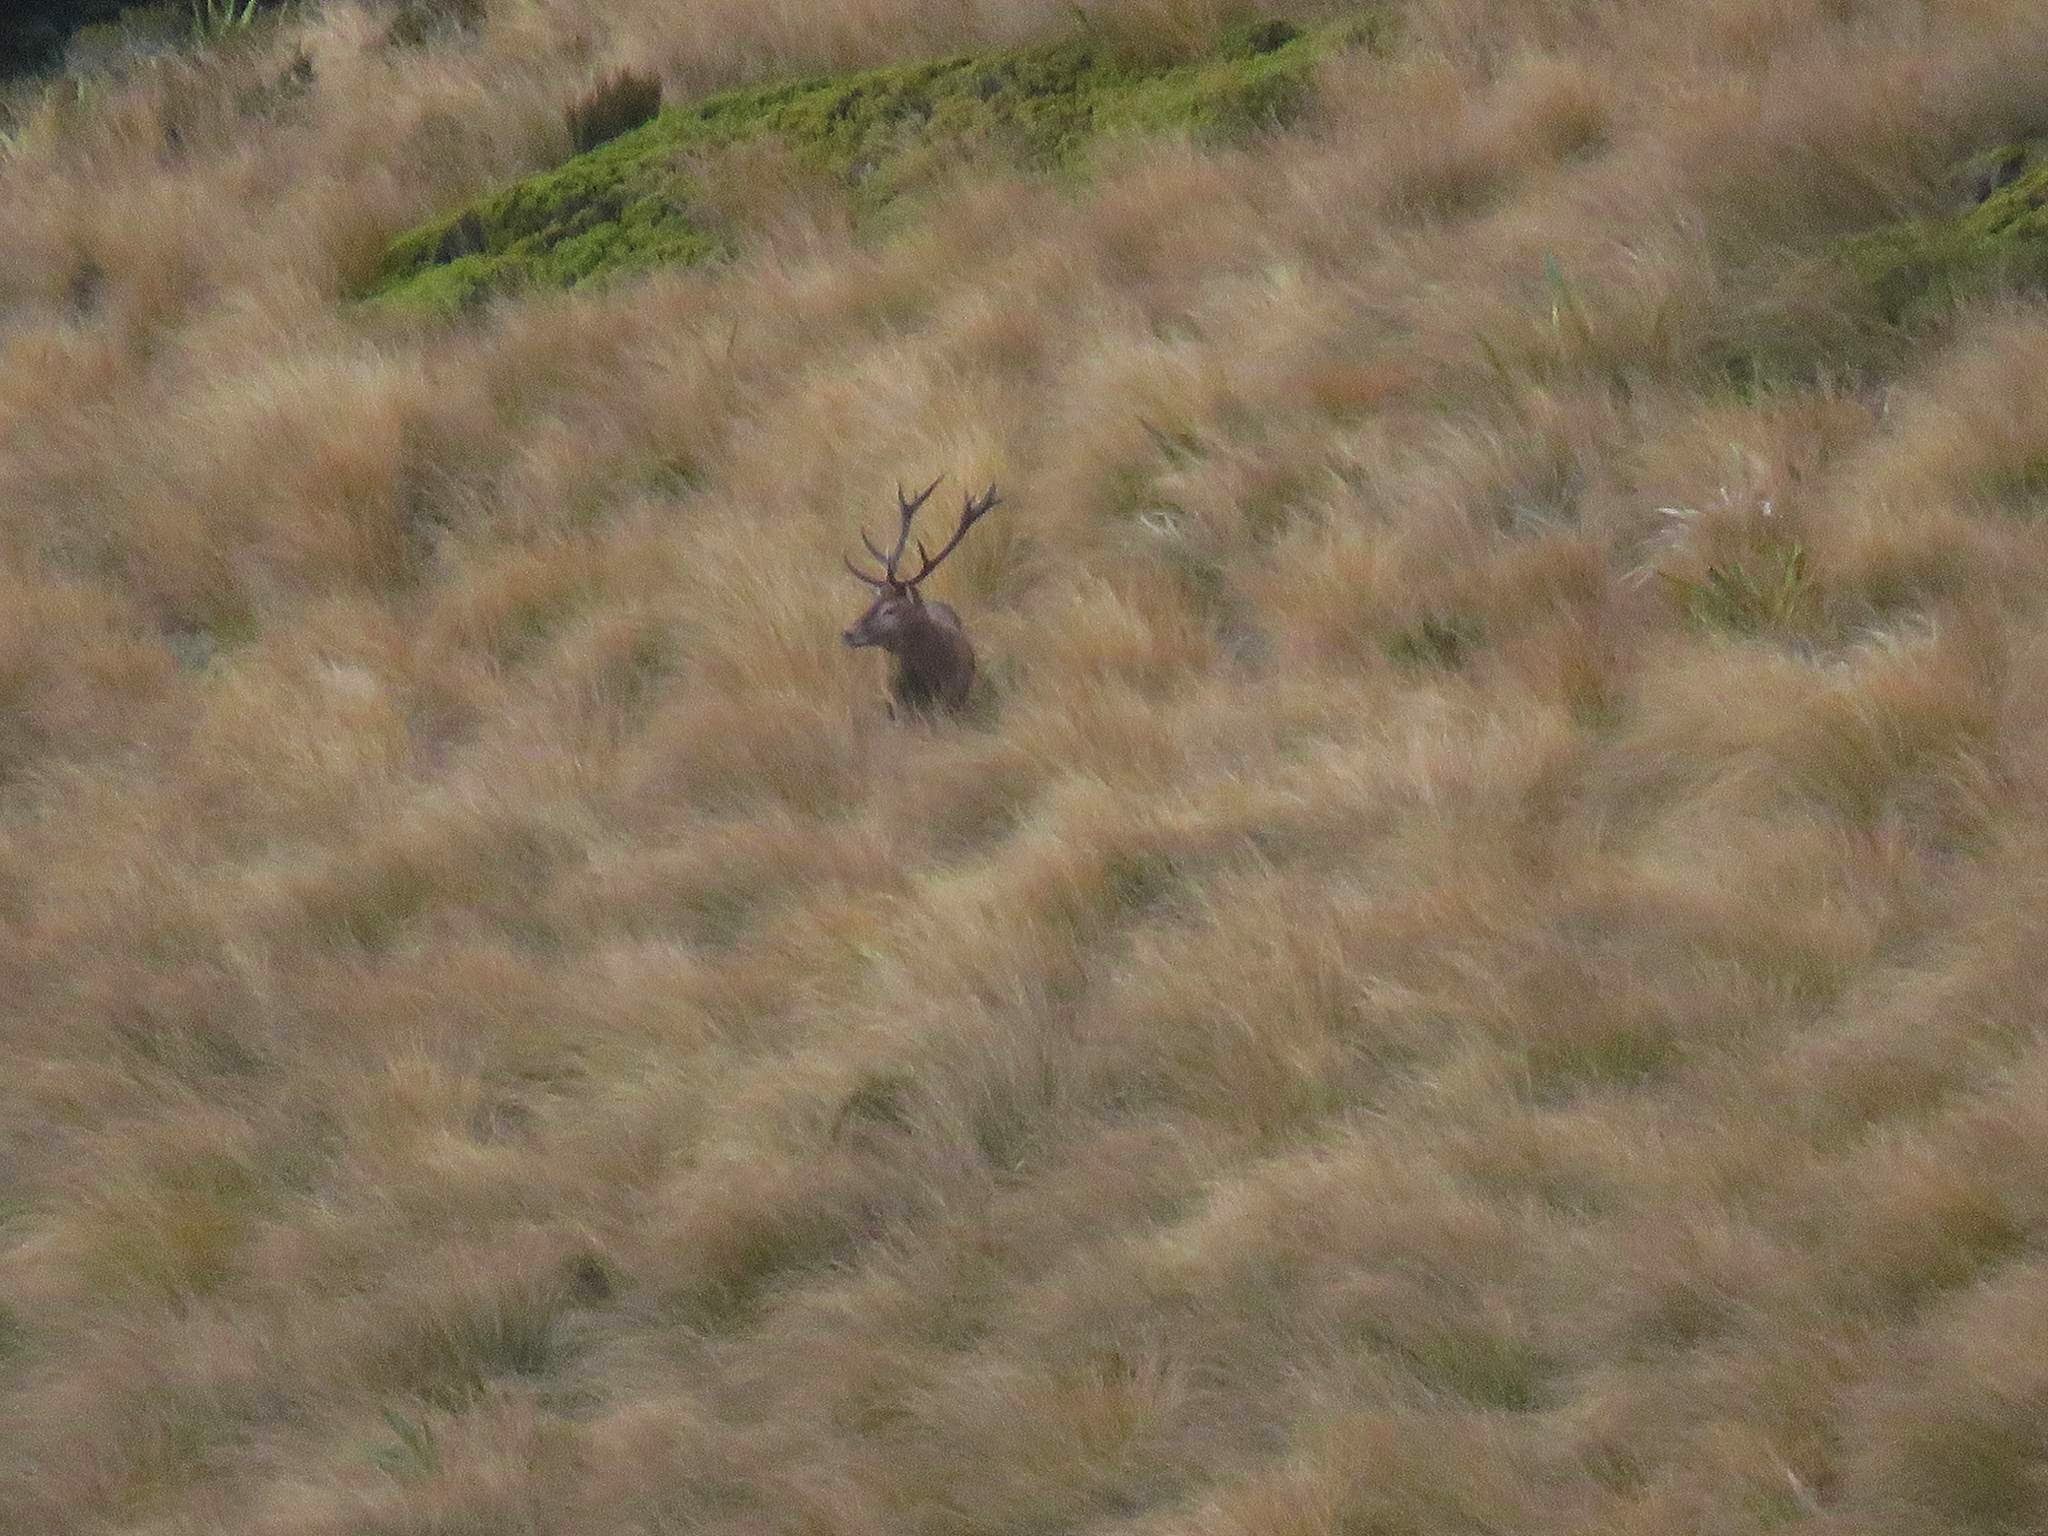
931	663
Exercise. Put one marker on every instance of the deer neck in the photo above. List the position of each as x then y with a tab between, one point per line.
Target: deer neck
931	641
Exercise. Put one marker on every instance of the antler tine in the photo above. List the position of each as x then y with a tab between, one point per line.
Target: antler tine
888	569
861	575
909	511
975	508
910	507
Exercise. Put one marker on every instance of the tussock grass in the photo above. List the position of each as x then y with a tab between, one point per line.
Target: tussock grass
1473	965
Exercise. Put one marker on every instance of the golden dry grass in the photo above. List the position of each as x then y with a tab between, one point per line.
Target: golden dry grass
1391	1016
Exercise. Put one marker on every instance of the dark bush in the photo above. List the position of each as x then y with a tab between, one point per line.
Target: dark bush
32	34
618	103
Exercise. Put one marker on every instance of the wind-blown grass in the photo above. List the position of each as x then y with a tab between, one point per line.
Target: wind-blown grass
1474	964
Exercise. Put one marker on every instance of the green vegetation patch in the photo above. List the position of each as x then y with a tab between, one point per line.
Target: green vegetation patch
1917	268
640	201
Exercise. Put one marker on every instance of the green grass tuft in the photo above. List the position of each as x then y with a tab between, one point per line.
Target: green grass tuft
1486	1369
1436	640
1916	270
1773	594
412	1453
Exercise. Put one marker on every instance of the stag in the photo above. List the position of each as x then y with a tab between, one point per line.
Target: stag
930	661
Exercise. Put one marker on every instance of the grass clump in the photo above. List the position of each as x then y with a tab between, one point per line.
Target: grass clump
1771	593
635	197
1487	1369
412	1453
453	1357
1437	640
2021	489
173	1235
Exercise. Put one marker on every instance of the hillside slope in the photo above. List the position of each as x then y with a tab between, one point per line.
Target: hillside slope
1475	965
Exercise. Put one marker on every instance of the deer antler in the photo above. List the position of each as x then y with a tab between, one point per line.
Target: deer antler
975	509
908	511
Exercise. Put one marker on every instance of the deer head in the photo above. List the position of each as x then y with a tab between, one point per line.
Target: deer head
933	660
